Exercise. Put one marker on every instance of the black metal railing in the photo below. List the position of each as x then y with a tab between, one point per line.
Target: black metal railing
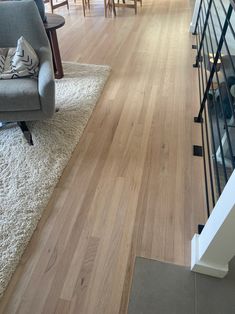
215	61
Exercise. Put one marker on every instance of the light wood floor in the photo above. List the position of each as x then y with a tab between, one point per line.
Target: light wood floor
132	186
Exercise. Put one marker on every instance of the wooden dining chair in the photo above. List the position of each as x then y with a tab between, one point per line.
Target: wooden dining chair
112	5
57	4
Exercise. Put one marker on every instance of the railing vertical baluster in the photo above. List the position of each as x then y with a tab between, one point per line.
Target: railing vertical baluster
198	16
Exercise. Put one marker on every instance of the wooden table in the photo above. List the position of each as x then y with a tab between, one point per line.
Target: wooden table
55	21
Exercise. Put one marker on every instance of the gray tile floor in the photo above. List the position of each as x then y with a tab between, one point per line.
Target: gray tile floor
162	288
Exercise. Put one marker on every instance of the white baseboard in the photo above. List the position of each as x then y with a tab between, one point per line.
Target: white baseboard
203	267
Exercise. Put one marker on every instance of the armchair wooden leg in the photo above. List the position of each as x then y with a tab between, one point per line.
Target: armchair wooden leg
26	132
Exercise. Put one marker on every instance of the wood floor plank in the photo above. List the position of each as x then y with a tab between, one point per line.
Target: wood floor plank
62	306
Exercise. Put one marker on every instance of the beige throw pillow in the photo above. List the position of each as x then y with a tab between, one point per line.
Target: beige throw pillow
3	53
18	62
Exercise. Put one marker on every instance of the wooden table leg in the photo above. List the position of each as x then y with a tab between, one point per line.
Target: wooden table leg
58	69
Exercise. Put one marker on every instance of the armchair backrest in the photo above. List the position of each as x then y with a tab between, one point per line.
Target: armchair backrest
21	18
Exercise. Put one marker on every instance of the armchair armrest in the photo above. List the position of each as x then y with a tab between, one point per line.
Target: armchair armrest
46	82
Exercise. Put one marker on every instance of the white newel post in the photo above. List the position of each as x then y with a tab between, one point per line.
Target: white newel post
212	250
194	18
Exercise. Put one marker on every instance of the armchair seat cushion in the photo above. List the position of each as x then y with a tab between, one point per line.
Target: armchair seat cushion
19	95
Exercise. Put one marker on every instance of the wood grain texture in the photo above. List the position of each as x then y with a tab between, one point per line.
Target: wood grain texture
132	186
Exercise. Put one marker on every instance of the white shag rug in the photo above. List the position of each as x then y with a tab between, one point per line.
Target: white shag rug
28	174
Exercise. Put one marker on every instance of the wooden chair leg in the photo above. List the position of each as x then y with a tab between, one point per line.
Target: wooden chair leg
84	7
135	2
114	8
105	8
51	3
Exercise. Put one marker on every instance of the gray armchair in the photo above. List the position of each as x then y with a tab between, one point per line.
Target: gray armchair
26	99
